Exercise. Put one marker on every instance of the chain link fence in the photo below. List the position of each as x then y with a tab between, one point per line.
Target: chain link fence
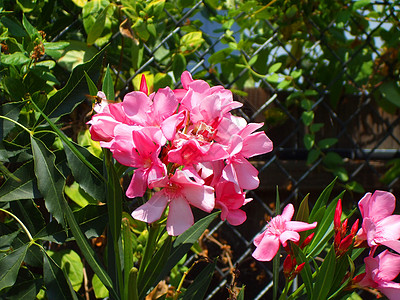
324	79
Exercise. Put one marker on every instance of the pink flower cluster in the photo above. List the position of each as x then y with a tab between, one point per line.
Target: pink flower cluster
187	146
380	228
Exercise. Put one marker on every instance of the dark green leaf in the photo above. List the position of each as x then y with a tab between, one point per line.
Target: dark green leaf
29	214
108	85
24	188
313	156
178	65
219	56
154	268
76	89
322	200
26	286
91	219
87	179
127	239
309	141
304	210
325	276
307	117
7	239
50	180
9	266
91	85
198	288
11	111
32	31
306	273
57	284
184	242
14	27
327	143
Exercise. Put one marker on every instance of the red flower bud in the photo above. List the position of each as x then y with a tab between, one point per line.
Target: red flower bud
143	85
300	268
344	227
307	240
338	214
354	228
287	266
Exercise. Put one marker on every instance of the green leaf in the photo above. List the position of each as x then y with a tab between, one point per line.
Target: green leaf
309	141
10	110
28	212
313	156
316	127
219	56
191	41
327	143
198	288
78	195
393	172
355	187
9	266
148	279
25	287
88	180
304	210
108	85
71	264
274	78
325	276
178	65
306	273
391	92
100	291
322	200
360	4
332	160
127	240
57	284
23	188
32	31
14	26
88	252
184	242
97	29
76	89
275	67
91	85
307	117
15	59
50	180
240	296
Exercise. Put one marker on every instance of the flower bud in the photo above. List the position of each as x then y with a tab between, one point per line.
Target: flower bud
338	214
307	240
354	228
143	85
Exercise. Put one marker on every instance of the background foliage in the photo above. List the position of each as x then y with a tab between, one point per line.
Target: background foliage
323	76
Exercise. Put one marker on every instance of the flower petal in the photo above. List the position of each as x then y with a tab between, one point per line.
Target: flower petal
267	248
389	266
180	216
289	235
300	226
288	212
236	217
152	210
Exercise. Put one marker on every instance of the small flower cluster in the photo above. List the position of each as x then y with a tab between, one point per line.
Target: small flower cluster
379	228
185	144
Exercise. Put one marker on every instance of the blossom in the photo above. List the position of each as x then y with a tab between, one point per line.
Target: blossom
379	225
279	230
179	192
380	271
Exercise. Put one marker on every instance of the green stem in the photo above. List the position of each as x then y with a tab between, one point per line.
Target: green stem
149	249
132	284
19	124
20	223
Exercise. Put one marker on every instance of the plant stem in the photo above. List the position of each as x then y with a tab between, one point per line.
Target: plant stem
149	249
20	223
132	285
19	124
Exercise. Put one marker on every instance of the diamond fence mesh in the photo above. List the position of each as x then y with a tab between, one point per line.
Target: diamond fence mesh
322	76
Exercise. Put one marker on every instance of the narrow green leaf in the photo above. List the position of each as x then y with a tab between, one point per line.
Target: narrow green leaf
178	65
29	214
88	180
57	284
240	296
304	210
9	266
306	273
91	85
25	287
50	180
88	252
184	242
198	288
24	188
76	89
276	263
128	253
108	85
324	278
154	267
322	200
98	27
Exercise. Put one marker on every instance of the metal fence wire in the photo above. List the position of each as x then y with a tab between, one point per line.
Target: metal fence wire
324	79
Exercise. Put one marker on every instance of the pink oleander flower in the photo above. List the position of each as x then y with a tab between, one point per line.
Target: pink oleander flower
379	226
380	271
178	192
279	230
